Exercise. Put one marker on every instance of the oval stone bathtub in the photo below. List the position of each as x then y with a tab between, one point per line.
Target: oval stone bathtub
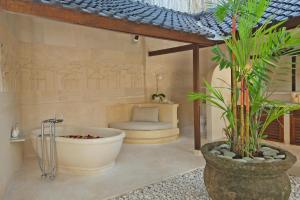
84	156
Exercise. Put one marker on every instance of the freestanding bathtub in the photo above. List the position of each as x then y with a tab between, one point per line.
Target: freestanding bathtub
84	156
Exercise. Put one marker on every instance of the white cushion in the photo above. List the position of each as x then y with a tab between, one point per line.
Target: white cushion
145	114
141	126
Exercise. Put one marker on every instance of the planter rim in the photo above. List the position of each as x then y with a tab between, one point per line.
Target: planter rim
260	168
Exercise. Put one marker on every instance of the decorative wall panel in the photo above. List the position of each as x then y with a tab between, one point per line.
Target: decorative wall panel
295	127
275	131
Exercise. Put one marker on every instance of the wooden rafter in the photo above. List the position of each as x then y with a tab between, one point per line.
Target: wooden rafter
294	83
91	20
292	23
187	47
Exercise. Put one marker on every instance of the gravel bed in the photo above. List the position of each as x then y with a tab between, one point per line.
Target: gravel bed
187	186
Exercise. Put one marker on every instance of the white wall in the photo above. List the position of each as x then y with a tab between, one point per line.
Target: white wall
215	122
280	84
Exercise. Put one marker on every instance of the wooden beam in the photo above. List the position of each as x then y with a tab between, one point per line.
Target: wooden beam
187	47
196	88
92	20
294	80
292	23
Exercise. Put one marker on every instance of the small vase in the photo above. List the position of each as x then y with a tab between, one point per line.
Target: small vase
15	132
156	99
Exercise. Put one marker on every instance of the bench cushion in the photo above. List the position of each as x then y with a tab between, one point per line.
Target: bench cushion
141	126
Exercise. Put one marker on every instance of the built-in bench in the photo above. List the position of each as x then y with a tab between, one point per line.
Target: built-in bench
145	123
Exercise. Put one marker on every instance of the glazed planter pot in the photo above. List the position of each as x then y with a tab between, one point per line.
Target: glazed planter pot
226	179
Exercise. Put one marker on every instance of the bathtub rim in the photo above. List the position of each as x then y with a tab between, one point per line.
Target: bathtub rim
79	171
110	139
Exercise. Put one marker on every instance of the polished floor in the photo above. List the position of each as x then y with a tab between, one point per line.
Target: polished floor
137	166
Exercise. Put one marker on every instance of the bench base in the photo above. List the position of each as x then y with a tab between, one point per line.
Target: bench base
151	137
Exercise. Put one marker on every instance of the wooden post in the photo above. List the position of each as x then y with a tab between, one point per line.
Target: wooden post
294	61
196	87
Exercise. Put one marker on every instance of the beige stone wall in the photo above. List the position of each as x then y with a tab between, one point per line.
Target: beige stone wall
78	72
215	122
177	72
280	86
75	72
281	78
11	154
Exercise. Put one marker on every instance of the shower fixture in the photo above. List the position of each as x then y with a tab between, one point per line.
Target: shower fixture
48	156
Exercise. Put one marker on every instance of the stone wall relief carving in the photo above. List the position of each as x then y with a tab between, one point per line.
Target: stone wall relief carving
79	81
96	79
70	79
8	70
69	82
113	80
1	68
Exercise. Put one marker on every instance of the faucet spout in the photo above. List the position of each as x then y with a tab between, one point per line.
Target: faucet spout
54	121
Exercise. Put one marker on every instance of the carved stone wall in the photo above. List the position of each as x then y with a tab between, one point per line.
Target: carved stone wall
73	71
177	77
61	81
78	72
11	154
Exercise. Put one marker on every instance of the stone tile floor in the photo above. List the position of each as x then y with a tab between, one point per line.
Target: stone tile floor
187	186
137	166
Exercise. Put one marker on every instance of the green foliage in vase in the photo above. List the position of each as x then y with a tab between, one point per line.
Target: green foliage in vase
253	51
161	96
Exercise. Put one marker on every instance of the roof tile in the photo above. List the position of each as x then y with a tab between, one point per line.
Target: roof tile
202	24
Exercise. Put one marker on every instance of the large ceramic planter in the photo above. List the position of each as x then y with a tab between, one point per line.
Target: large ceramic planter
226	179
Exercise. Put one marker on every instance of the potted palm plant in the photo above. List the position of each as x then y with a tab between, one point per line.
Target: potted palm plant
243	167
